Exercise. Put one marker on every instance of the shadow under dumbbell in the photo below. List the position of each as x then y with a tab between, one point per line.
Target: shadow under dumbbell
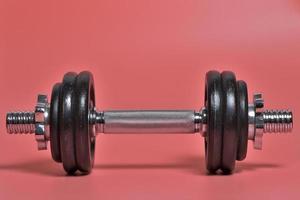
244	166
192	164
42	167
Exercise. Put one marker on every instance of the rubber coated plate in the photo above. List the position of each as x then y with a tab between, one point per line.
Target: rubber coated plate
242	120
230	133
66	124
84	132
54	119
213	139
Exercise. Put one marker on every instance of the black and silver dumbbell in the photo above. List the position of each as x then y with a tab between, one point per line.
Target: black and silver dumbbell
227	121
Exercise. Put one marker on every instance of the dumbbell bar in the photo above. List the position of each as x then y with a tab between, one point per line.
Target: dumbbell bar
227	121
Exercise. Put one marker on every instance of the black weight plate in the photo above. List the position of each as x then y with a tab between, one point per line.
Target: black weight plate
54	126
66	123
230	133
84	132
242	120
213	103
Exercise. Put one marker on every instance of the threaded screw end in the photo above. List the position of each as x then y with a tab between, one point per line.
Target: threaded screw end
20	122
277	121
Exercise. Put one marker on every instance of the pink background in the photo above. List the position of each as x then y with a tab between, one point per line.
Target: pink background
149	55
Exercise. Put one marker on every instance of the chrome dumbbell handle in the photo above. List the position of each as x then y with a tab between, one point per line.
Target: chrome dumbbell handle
149	121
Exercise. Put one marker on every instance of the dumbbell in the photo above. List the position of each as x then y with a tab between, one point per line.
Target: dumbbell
71	122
